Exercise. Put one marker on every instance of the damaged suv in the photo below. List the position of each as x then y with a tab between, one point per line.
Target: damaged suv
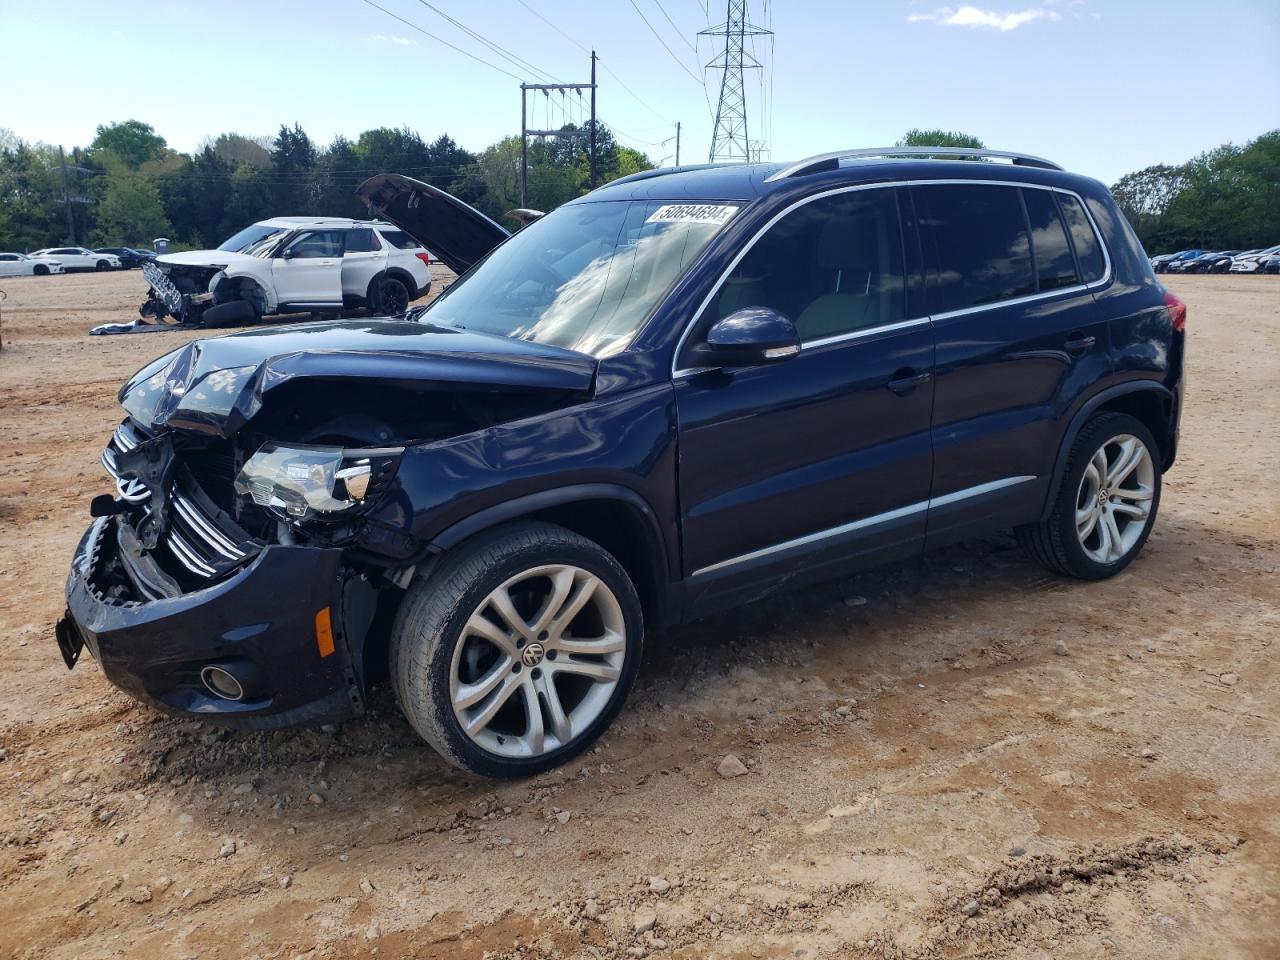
673	395
289	265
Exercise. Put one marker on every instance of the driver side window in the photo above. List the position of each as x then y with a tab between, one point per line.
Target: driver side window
315	245
833	266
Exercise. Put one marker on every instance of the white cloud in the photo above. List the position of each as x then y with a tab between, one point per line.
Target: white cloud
398	41
969	16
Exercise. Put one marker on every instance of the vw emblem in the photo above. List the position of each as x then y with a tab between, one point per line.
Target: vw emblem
532	655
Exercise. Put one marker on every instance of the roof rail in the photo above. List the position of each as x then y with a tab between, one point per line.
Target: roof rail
829	161
660	172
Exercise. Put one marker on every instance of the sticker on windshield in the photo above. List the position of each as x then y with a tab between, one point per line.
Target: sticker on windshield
692	213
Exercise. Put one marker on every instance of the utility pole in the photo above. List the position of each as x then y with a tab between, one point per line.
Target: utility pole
66	196
526	133
677	143
729	139
593	119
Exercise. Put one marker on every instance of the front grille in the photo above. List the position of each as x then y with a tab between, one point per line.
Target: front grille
125	438
199	536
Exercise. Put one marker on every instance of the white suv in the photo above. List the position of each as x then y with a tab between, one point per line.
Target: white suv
290	265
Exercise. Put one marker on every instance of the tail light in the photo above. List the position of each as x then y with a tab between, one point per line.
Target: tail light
424	257
1177	311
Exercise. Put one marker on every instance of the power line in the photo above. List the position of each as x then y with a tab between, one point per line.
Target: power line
428	33
495	47
657	36
679	32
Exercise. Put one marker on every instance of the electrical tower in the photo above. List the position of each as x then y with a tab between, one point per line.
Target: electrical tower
729	141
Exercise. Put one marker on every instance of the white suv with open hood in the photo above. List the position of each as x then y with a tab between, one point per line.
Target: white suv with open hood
290	265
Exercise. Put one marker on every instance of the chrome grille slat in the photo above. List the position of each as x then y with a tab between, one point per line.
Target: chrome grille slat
201	527
187	555
134	491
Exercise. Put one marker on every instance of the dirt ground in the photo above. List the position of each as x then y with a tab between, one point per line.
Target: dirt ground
957	757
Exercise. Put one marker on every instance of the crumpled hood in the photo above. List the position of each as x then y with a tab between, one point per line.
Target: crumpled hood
216	385
203	258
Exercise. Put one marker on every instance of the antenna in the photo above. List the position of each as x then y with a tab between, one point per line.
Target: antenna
729	140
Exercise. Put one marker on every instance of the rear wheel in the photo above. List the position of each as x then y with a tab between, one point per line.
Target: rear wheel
390	296
517	653
1106	503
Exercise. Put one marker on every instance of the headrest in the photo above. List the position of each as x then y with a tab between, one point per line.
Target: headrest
846	243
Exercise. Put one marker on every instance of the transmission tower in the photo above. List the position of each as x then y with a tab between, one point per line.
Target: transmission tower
729	141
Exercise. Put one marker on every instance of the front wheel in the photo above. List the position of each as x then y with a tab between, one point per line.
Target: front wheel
1106	503
41	270
518	651
102	265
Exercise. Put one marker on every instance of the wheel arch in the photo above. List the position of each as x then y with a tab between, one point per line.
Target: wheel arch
1151	402
613	516
398	273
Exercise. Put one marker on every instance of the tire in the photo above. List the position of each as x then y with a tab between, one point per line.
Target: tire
389	296
40	270
1110	544
437	653
229	314
102	265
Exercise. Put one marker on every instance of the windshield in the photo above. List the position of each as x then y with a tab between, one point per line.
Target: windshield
585	276
253	239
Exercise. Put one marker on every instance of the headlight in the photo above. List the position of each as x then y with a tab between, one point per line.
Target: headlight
299	483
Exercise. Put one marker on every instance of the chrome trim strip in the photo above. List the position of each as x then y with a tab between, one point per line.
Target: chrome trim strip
879	518
204	528
132	490
187	555
677	373
802	166
124	438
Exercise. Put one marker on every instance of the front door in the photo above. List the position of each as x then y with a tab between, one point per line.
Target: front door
823	460
308	270
1019	337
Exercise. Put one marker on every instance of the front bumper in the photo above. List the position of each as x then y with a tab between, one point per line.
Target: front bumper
259	622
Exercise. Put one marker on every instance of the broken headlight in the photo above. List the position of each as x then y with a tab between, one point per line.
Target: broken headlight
299	483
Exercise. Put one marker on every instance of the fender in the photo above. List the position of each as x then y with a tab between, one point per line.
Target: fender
555	497
666	591
1078	421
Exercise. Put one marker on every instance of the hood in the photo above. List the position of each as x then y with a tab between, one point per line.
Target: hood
456	233
203	258
215	386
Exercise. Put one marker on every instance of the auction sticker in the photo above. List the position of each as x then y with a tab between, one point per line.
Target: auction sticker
692	213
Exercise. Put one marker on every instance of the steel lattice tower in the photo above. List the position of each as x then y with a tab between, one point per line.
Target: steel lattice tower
729	141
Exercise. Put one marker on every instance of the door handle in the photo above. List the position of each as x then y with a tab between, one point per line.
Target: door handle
1078	343
905	381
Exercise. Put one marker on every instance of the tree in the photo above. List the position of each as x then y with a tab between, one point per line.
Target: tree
1144	195
916	137
293	158
130	211
132	141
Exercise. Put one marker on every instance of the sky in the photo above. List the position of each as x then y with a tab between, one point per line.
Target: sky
1103	87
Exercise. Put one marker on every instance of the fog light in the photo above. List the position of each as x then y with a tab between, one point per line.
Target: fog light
222	683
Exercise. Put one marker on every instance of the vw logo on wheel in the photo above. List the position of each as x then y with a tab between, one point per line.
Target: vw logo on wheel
532	655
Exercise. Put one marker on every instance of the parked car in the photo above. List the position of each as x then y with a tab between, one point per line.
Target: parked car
1222	263
290	265
1252	263
1158	263
21	265
1204	262
80	258
1179	263
129	258
1271	265
640	409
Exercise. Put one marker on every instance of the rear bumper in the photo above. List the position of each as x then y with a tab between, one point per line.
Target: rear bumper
259	623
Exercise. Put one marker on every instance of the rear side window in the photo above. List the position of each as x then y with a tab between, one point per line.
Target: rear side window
400	240
1055	266
833	265
1088	251
976	237
361	241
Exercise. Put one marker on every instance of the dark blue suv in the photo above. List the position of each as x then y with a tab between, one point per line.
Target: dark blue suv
678	393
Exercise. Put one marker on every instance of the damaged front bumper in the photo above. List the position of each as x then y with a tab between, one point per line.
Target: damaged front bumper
276	624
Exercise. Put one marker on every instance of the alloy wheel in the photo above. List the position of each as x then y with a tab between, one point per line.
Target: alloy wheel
1114	500
395	299
538	661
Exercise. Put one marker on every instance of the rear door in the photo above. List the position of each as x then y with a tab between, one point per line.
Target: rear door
823	460
363	258
1019	338
307	271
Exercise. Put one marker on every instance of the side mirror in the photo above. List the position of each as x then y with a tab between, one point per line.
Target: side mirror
747	338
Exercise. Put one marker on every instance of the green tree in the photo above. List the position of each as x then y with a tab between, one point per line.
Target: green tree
132	141
130	211
915	137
